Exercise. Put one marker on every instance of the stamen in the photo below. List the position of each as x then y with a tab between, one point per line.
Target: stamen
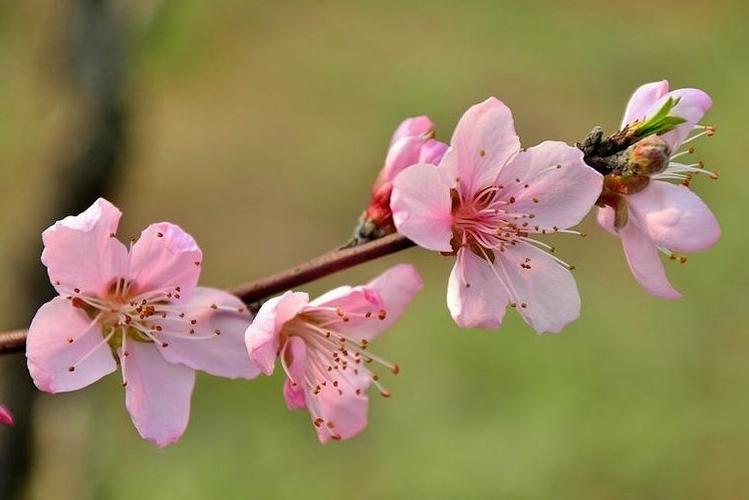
92	350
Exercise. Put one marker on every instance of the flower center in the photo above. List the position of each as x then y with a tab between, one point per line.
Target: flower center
486	223
151	317
338	360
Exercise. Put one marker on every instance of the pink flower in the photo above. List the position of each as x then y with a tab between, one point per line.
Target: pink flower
6	417
411	143
322	346
665	216
142	307
482	204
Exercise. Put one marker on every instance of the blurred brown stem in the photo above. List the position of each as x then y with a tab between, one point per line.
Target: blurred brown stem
255	291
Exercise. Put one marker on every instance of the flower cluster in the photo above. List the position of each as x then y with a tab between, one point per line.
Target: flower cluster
483	200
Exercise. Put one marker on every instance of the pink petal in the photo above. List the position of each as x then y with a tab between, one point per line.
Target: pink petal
640	105
546	294
475	295
50	354
157	394
605	218
410	127
6	417
295	356
402	154
347	412
432	152
262	337
81	252
483	142
389	293
551	182
422	208
645	263
674	217
165	257
692	106
223	355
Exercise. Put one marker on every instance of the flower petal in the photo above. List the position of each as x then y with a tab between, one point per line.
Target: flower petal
414	126
546	293
674	217
157	393
402	154
552	182
432	152
475	295
295	357
223	354
81	252
344	415
262	337
605	218
483	142
165	258
50	353
641	103
644	261
385	298
421	207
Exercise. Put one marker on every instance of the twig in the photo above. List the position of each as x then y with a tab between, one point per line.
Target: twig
254	291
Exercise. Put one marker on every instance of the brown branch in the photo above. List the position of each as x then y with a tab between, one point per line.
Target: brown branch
254	291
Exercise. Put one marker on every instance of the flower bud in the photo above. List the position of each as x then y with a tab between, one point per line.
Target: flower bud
411	144
649	156
6	417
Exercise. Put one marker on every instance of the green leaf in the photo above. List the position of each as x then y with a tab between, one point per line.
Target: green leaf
661	121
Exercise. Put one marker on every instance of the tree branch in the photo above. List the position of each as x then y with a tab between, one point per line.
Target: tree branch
255	291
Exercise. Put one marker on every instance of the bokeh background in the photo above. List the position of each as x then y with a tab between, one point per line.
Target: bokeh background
259	127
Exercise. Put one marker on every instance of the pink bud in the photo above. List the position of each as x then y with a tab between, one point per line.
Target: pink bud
411	144
6	417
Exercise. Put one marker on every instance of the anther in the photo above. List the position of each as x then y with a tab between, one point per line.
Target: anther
71	368
382	314
160	235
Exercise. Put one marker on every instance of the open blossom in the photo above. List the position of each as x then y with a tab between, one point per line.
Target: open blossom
482	204
140	308
657	214
413	142
6	417
323	346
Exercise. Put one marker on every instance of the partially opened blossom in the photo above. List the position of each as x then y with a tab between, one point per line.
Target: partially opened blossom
413	142
323	347
644	208
483	204
141	309
6	417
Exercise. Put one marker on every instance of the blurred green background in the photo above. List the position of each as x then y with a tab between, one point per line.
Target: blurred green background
259	127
